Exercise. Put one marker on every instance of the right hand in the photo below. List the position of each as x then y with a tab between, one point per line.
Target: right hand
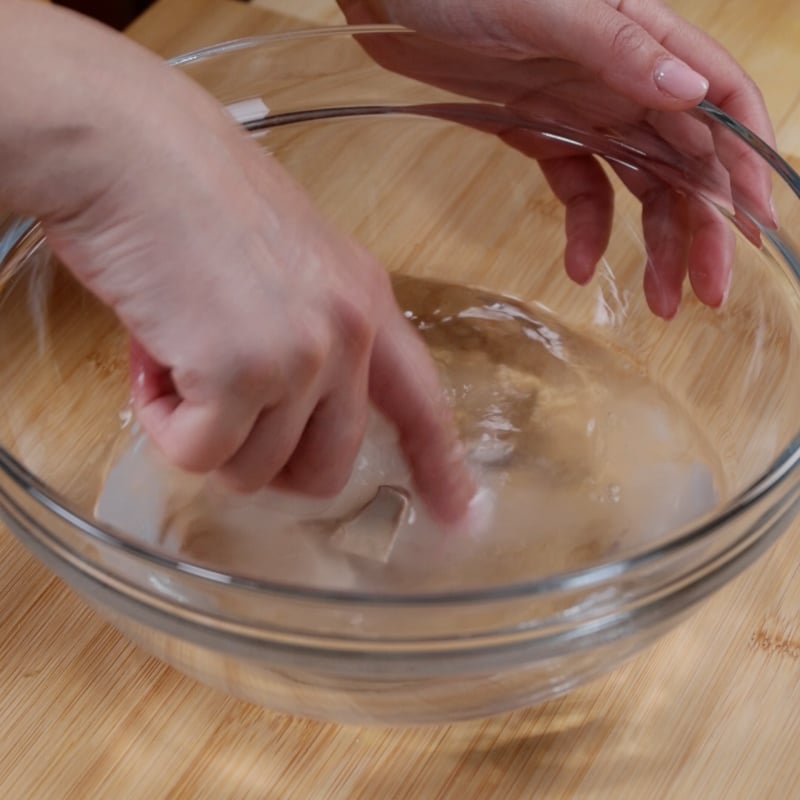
260	334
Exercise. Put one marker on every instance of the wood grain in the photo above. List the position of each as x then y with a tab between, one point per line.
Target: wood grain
712	712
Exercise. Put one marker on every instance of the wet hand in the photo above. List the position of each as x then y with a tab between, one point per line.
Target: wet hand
260	334
600	52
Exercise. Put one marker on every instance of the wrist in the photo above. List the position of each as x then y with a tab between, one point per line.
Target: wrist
69	91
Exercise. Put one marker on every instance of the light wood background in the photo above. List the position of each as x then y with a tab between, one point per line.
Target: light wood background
712	712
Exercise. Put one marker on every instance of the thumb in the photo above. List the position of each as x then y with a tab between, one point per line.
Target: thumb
592	33
611	45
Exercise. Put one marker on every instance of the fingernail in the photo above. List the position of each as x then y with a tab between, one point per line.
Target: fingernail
773	212
679	80
727	290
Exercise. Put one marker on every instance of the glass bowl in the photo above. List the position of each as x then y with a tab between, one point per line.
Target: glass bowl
417	154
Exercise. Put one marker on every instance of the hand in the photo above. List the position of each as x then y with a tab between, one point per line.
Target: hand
259	334
628	63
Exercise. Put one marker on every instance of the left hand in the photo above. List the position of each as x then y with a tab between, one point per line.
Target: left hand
626	62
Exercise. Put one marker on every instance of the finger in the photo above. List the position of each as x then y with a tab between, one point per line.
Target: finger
197	438
730	88
729	84
405	387
323	461
693	152
666	235
268	447
149	380
711	248
710	255
581	185
609	43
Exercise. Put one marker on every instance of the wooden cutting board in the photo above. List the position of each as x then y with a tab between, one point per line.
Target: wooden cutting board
712	712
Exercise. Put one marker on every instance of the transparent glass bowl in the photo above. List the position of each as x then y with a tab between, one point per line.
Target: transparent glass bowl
408	161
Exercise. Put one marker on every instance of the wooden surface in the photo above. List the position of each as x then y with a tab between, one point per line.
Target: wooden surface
712	712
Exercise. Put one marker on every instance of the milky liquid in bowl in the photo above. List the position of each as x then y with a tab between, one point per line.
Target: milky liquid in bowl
580	457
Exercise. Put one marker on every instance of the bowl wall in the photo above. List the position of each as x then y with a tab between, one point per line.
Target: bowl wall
416	174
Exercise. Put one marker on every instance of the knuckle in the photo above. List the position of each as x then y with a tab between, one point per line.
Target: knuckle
251	373
240	370
354	325
311	354
628	40
496	30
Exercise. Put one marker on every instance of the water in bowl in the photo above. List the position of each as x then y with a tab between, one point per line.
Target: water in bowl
582	457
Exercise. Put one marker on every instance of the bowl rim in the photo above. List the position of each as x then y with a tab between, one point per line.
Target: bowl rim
29	237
